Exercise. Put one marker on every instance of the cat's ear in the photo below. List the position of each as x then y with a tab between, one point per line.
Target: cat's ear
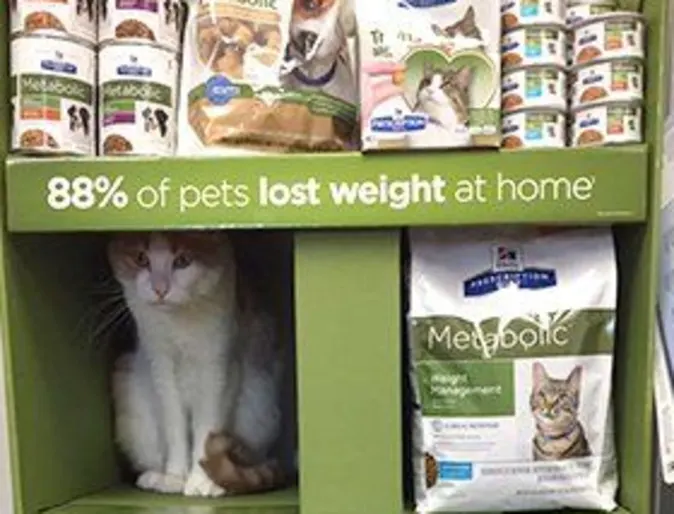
464	77
574	378
539	374
469	17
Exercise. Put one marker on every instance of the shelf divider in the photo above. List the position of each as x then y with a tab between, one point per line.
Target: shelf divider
349	378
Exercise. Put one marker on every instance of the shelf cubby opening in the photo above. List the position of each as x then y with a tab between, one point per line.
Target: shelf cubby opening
631	365
59	369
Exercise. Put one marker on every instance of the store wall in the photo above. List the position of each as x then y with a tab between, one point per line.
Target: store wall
5	486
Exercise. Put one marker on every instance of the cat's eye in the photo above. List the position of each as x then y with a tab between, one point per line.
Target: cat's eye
311	5
182	261
142	260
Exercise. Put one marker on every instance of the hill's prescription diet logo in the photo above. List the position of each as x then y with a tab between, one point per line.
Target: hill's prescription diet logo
508	268
506	258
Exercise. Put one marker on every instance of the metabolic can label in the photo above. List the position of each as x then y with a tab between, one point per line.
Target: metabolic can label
530	12
575	13
137	99
612	35
534	128
150	21
609	123
76	18
615	80
531	45
534	86
52	90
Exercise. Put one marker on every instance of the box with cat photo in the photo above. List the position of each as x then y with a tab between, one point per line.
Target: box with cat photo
430	74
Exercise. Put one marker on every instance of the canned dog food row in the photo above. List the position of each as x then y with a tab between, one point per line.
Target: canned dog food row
66	96
94	21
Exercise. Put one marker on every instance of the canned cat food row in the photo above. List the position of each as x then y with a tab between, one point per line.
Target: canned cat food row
517	13
605	123
63	96
610	35
546	85
93	21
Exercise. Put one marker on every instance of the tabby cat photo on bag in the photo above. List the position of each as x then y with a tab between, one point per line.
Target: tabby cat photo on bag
555	405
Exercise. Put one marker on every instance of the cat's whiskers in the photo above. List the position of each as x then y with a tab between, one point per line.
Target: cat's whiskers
107	325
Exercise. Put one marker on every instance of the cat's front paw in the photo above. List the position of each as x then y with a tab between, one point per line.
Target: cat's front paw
160	482
200	484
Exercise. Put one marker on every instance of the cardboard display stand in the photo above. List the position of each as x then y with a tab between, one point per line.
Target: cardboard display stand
347	212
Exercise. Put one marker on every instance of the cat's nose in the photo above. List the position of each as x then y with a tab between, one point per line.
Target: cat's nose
160	290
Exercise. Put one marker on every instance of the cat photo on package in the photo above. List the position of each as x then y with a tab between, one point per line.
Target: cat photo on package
511	354
430	74
266	76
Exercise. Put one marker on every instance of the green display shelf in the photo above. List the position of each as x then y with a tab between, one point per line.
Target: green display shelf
348	290
130	501
602	185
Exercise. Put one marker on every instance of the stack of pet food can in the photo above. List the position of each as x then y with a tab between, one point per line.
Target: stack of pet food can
138	76
533	53
606	79
53	74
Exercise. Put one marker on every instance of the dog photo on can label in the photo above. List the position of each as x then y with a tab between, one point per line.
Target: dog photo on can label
138	85
53	101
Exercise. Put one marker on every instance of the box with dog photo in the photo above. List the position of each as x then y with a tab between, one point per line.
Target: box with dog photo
429	74
267	75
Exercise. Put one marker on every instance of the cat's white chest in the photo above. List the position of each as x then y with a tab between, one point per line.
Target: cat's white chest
183	338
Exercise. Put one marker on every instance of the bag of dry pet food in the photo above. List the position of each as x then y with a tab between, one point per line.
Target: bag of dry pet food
511	341
430	73
266	75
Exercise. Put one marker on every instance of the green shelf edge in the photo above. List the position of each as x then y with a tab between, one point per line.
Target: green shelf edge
124	500
578	186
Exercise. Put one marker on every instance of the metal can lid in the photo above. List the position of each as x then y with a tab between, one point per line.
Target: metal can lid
546	110
577	67
608	103
137	43
540	66
536	26
48	35
608	16
579	3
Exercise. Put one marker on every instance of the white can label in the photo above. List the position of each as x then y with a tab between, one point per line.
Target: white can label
607	124
529	46
534	87
534	129
609	38
74	17
147	20
53	81
579	12
528	12
137	100
619	81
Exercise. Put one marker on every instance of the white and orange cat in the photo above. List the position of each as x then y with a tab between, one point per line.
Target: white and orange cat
207	361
